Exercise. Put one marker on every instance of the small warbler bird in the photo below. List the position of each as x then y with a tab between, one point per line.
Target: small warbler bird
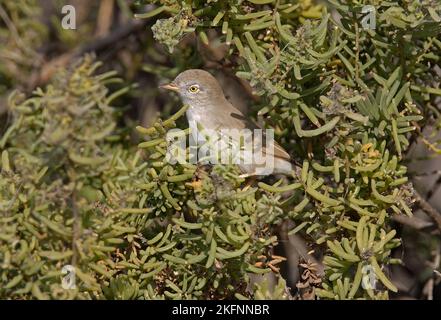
209	109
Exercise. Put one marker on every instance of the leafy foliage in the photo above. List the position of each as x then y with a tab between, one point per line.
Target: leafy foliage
52	153
21	34
345	101
352	97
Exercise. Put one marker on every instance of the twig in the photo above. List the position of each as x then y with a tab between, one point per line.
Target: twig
97	44
424	174
430	284
75	226
14	198
14	32
431	211
413	222
357	52
105	16
434	189
111	39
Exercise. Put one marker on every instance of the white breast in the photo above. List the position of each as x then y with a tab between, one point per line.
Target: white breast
193	118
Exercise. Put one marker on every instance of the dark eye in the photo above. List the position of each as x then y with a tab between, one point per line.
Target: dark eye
193	88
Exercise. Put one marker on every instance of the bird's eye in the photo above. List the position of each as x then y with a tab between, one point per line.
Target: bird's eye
193	89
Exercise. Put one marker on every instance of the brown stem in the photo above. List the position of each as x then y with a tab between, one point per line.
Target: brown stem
431	211
97	44
75	227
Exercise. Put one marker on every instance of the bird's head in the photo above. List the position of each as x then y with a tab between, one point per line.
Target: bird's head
196	87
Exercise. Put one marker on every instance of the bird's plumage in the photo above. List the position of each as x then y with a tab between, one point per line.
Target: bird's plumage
209	108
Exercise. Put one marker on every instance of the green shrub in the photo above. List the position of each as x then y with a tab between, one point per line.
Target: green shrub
345	101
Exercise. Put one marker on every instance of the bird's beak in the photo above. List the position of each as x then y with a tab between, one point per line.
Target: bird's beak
170	86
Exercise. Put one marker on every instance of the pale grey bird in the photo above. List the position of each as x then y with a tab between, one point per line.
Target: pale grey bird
209	109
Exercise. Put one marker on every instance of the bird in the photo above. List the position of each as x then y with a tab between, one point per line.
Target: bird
210	114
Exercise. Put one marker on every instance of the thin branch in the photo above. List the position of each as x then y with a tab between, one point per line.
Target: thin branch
76	226
431	211
97	44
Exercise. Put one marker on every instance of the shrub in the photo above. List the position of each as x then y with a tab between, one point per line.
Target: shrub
344	100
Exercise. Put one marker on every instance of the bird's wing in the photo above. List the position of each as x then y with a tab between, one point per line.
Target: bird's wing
232	118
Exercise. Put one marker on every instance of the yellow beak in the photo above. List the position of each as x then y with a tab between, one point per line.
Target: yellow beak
170	86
